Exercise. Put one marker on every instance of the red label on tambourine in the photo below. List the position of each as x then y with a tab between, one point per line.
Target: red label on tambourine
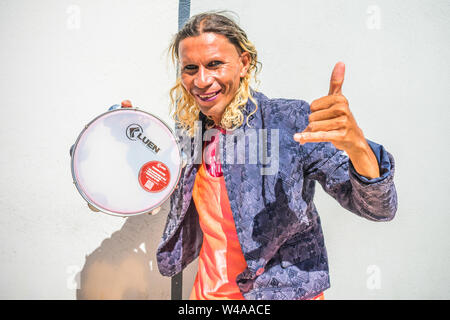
154	176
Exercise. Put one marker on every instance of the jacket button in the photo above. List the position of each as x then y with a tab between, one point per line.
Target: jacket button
260	271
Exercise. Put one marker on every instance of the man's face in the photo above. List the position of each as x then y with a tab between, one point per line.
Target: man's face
211	69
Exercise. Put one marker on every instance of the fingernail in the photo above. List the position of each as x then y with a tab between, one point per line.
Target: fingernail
298	137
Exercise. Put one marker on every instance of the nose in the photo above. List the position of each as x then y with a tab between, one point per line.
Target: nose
203	78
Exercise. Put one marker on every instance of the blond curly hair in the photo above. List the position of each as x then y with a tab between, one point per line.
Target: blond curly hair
184	108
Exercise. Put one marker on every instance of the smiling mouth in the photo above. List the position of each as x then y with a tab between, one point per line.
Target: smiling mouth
208	97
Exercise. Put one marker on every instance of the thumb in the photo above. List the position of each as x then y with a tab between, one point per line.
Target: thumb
337	79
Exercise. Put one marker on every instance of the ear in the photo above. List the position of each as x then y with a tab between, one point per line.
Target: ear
245	63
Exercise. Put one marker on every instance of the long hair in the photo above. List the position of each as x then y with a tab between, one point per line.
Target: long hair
184	108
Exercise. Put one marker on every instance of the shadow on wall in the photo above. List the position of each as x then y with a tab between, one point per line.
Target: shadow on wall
124	266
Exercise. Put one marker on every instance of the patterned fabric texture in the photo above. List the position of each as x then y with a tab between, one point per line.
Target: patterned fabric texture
278	226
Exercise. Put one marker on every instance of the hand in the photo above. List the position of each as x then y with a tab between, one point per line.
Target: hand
126	104
154	211
331	121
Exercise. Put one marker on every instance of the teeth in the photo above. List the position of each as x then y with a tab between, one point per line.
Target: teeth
208	96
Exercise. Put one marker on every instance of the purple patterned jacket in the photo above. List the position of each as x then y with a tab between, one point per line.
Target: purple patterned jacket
277	223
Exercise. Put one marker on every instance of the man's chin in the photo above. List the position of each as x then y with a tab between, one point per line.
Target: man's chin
210	110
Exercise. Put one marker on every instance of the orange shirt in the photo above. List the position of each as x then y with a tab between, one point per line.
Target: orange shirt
220	258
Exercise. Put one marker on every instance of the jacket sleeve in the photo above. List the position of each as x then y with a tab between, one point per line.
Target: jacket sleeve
373	199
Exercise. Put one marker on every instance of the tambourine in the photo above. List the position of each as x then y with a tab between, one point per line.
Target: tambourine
126	162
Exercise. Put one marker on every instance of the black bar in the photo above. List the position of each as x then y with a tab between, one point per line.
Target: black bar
184	11
177	287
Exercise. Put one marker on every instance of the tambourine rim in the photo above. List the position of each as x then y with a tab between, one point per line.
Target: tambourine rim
83	194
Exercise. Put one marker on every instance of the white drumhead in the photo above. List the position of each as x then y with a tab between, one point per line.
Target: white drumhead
126	162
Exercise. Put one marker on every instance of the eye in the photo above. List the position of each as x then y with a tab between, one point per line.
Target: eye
214	63
190	67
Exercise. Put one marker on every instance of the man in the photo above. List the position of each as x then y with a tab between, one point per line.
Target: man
258	236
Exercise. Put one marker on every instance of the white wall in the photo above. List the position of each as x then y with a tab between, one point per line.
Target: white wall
64	62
